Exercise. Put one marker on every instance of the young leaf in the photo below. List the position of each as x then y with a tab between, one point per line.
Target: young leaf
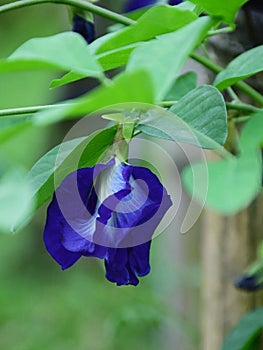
164	57
243	66
215	8
126	88
204	110
244	334
181	86
60	161
233	183
156	21
65	51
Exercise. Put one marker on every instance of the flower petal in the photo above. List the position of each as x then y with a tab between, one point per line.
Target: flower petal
132	5
132	220
139	259
67	209
84	28
118	269
109	211
52	237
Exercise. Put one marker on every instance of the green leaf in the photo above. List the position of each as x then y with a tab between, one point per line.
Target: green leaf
118	57
215	8
156	21
243	66
125	88
161	123
204	110
164	57
69	77
232	183
244	334
11	126
108	60
65	51
113	50
15	198
252	136
62	160
181	86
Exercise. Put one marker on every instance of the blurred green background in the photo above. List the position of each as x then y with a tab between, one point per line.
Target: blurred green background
42	307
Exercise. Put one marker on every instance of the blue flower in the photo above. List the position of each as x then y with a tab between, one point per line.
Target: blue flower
84	28
109	211
249	283
132	5
174	2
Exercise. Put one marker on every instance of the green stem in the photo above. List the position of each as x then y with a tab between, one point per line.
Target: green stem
242	86
220	31
240	120
233	95
242	107
21	111
251	92
84	5
236	106
207	63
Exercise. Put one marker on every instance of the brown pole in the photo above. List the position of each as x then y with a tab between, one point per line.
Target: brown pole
229	246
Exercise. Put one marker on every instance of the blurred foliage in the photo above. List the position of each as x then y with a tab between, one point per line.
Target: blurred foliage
42	307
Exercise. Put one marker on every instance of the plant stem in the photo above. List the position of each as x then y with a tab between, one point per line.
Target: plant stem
240	120
233	95
21	111
220	31
207	63
242	107
251	92
242	86
236	106
84	5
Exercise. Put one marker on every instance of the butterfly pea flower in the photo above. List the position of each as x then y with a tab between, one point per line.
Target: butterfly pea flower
84	27
132	5
249	283
252	278
174	2
108	211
